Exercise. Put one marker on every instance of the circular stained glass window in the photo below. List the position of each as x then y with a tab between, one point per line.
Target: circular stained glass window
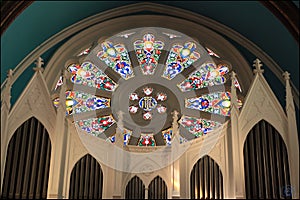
149	74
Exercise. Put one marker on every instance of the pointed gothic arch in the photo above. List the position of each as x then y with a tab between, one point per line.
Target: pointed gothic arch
157	189
135	189
86	180
266	163
206	179
27	162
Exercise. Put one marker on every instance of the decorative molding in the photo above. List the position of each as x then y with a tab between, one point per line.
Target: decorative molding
261	103
77	149
10	10
34	102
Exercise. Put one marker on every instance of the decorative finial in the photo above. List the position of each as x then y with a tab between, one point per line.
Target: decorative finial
39	62
257	64
286	75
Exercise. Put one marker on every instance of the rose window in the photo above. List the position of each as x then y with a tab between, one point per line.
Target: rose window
148	73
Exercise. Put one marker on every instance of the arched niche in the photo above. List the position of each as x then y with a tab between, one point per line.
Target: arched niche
27	162
135	189
157	189
206	180
266	163
86	180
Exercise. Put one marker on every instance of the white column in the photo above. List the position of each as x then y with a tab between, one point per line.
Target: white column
5	108
118	156
57	165
146	192
237	147
175	170
175	166
235	171
292	135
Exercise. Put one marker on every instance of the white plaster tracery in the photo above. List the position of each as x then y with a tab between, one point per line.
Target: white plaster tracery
35	102
260	103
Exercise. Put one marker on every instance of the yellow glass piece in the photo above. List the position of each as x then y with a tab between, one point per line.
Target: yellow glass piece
69	103
185	52
226	103
111	52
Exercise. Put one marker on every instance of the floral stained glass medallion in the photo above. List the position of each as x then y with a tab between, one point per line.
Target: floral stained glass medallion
167	135
96	126
88	74
148	52
216	103
147	102
198	126
207	75
179	58
79	102
117	58
146	140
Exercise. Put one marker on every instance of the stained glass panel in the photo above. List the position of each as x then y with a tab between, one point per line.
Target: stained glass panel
198	126
207	75
111	139
126	137
237	84
148	51
96	126
127	134
88	74
179	58
216	103
84	52
56	102
59	82
79	102
211	53
146	140
167	135
117	58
